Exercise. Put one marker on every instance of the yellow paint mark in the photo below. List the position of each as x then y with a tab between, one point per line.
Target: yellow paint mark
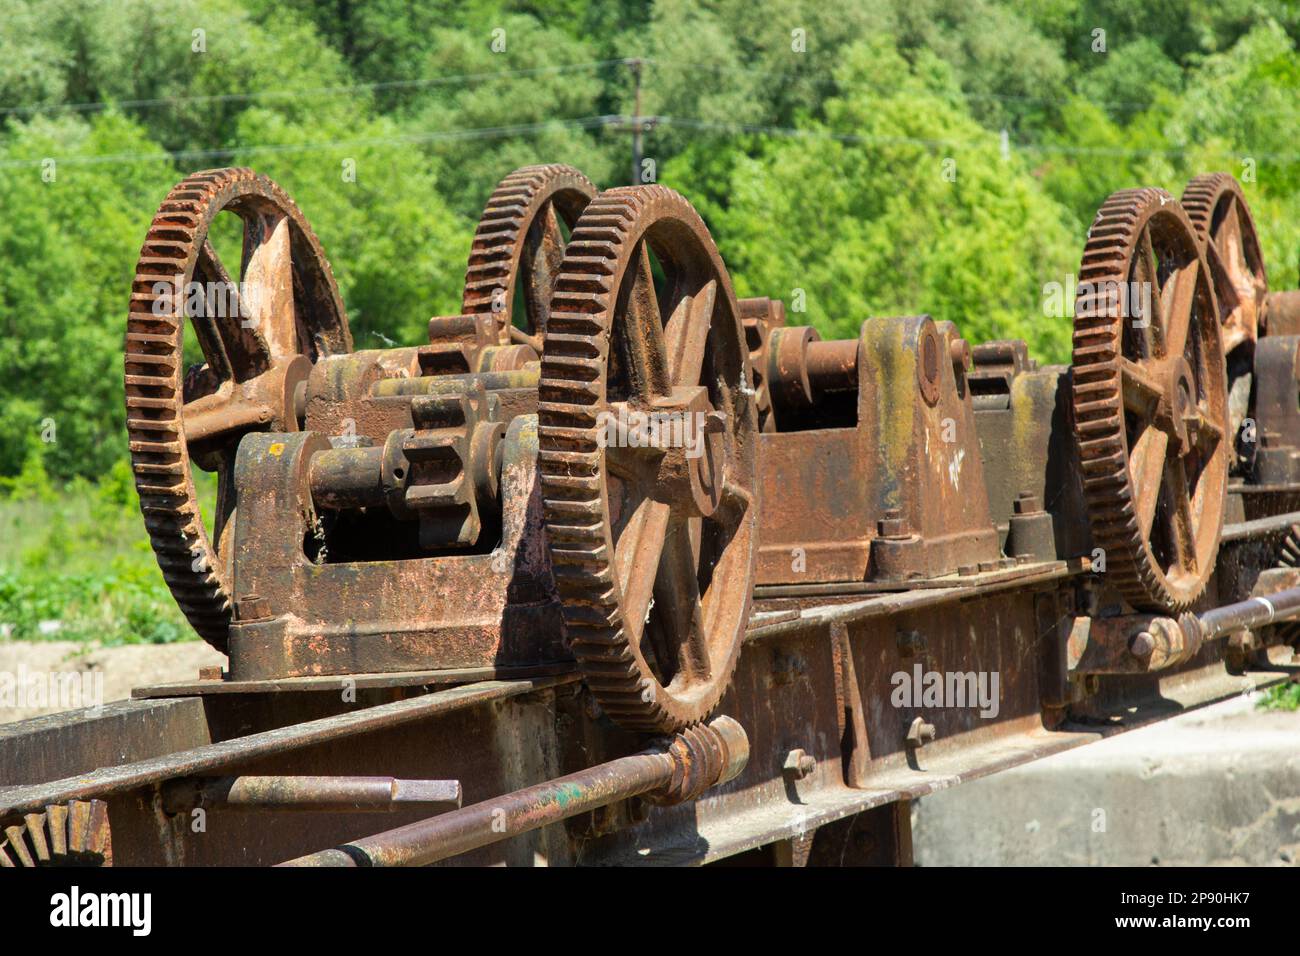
277	449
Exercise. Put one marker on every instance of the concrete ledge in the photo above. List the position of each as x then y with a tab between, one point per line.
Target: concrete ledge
1218	786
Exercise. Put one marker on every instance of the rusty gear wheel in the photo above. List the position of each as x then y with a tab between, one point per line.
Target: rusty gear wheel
1150	400
1219	214
520	236
259	340
652	541
71	834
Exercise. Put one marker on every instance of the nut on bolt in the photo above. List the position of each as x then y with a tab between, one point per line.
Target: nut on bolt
919	733
252	607
892	525
1027	503
798	764
960	353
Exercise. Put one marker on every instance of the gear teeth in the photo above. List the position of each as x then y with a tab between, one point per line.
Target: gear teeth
72	834
1202	197
154	375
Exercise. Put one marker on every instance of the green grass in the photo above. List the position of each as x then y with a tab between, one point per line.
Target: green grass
75	564
1282	697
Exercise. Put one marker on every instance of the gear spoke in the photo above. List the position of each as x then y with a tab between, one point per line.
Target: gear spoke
687	331
643	330
1180	295
1152	330
637	560
543	253
677	596
1182	524
1228	236
1142	390
268	305
1207	433
1147	466
207	324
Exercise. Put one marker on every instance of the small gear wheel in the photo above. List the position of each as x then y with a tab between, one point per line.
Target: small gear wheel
1150	400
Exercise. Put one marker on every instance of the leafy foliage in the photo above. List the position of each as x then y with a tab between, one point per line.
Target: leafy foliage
880	156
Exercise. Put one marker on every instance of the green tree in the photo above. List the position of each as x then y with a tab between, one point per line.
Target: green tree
69	237
862	217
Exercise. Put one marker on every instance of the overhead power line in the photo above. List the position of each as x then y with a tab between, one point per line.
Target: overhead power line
989	140
485	132
623	124
488	75
323	91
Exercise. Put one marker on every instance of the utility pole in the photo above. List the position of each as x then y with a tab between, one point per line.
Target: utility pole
635	66
637	123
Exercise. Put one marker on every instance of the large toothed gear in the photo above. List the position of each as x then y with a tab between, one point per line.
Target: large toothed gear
258	338
1150	400
518	247
653	550
1218	212
71	834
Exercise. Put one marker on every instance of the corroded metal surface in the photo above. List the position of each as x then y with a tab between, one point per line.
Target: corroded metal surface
676	771
72	834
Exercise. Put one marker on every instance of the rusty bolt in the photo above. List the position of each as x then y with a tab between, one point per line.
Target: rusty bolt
798	764
911	643
919	733
252	607
959	352
1142	644
210	672
1027	503
892	525
988	565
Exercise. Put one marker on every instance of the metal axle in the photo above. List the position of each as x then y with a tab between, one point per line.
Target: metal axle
692	762
328	794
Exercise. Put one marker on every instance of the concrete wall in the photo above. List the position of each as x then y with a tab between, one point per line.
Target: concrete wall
1218	786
